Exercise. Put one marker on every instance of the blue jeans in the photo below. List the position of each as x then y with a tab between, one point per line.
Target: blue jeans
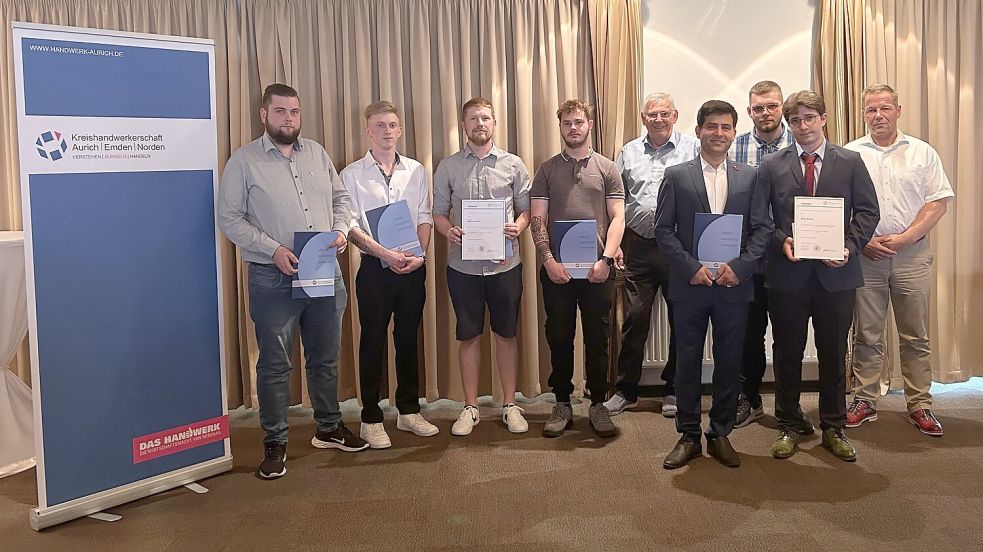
277	316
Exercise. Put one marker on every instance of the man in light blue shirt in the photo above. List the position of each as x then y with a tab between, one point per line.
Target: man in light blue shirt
642	163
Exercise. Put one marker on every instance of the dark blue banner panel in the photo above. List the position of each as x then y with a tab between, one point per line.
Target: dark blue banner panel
127	322
84	79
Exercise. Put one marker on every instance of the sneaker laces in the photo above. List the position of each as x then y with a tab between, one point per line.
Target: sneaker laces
471	410
274	452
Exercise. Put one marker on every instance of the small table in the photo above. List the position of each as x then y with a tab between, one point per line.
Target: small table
16	411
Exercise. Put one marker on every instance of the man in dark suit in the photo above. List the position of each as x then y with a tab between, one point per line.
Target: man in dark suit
701	292
823	290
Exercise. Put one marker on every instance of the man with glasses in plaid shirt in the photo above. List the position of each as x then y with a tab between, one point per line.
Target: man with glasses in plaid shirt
769	135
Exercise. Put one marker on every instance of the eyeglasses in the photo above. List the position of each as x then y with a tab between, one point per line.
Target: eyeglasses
655	115
760	109
808	120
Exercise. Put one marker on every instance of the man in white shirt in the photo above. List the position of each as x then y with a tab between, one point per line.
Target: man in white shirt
390	284
912	191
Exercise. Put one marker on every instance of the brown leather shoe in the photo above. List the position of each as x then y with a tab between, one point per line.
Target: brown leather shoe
684	451
926	422
720	448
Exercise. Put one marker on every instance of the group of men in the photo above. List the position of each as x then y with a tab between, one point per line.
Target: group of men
644	206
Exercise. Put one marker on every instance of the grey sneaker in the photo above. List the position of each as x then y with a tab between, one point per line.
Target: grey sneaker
560	419
600	420
618	404
746	414
669	406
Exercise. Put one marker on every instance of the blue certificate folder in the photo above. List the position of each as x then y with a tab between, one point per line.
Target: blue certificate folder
717	239
574	245
316	267
392	226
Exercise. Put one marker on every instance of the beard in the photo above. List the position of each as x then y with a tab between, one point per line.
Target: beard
479	139
576	142
283	136
769	126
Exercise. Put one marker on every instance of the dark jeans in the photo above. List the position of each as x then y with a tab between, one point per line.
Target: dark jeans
728	321
753	360
832	313
646	271
277	316
561	302
384	295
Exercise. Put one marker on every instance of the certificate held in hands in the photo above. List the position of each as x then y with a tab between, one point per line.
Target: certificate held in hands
717	239
574	245
392	226
483	222
818	228
316	257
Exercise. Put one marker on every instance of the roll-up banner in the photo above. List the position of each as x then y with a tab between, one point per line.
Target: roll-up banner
118	161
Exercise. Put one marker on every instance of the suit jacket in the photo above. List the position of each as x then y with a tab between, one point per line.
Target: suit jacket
683	194
843	174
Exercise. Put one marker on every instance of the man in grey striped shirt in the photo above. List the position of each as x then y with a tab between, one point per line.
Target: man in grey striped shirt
272	187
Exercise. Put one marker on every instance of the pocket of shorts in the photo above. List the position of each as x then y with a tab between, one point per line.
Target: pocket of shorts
265	276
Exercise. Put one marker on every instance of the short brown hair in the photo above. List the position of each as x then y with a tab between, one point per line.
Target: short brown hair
379	108
277	89
570	106
878	88
477	101
803	98
764	87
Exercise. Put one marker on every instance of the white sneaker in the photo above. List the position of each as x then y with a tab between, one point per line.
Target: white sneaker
417	424
669	406
466	421
375	435
512	416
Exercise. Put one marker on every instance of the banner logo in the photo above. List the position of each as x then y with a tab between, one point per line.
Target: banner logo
51	145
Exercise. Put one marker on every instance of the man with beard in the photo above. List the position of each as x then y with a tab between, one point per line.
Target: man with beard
395	292
272	187
642	163
710	185
578	184
483	171
768	136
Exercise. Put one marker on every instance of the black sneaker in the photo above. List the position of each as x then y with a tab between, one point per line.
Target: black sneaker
274	461
341	438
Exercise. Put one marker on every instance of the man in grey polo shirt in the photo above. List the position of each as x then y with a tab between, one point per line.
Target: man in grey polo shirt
272	187
483	171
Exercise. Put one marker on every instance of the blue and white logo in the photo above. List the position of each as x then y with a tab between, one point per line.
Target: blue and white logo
51	145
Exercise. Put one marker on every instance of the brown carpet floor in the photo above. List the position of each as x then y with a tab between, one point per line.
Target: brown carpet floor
503	492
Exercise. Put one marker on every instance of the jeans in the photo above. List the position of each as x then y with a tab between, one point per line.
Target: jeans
277	316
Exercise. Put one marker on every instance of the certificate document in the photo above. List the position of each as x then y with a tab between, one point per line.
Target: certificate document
483	222
392	226
316	264
717	239
818	228
574	245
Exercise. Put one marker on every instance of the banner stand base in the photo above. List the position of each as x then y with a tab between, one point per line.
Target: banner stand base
128	493
196	488
105	516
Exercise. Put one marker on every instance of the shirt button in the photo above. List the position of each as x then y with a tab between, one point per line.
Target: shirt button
310	227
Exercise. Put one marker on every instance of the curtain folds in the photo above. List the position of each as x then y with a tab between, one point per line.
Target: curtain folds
428	57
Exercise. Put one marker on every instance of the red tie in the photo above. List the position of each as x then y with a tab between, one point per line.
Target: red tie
810	160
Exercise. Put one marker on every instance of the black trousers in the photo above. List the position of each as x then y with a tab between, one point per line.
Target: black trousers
753	360
728	321
646	271
383	295
831	313
561	302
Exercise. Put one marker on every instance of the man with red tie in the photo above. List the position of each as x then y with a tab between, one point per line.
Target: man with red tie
822	290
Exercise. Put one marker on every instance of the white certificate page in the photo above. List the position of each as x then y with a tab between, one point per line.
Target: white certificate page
818	228
483	222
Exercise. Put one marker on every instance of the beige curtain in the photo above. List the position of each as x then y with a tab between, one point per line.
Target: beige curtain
838	67
932	54
428	57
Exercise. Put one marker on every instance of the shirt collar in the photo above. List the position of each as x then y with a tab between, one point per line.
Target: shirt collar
707	167
820	151
269	145
493	151
774	143
868	140
563	154
370	160
671	142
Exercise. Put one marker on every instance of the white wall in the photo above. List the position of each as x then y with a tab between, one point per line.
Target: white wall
699	50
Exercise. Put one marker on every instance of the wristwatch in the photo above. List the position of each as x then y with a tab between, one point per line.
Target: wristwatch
608	260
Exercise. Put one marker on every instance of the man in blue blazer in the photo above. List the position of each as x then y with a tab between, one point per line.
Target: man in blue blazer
822	290
700	293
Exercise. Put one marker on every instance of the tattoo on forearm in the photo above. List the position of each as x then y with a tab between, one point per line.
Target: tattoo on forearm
541	238
357	241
